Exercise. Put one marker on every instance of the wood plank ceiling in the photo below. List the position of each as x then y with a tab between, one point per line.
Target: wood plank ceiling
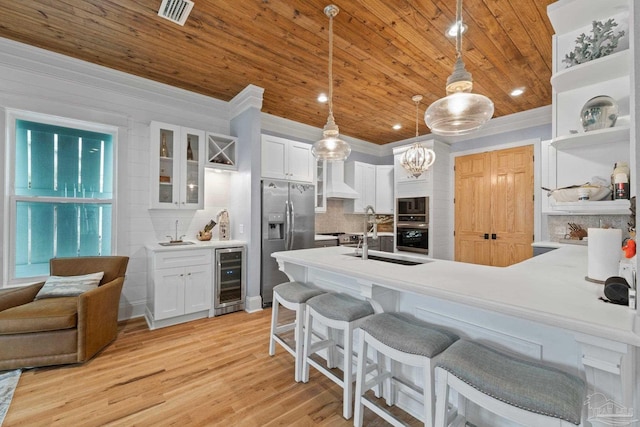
385	52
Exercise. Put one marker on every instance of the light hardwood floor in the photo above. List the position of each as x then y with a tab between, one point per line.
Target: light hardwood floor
203	373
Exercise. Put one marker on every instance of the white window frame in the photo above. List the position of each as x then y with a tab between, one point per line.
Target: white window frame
11	200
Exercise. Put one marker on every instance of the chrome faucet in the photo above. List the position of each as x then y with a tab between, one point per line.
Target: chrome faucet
176	239
368	218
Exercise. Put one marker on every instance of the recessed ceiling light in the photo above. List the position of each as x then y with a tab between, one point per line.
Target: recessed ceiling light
517	92
322	97
453	30
397	126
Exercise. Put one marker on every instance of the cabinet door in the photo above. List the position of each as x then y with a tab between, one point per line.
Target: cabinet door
198	288
192	174
165	149
384	189
274	157
300	162
321	182
169	292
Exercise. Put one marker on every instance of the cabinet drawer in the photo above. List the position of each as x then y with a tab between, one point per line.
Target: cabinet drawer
183	258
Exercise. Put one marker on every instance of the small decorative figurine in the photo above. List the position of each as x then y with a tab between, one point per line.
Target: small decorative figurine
602	43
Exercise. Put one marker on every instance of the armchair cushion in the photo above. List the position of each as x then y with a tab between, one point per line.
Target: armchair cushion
69	286
43	315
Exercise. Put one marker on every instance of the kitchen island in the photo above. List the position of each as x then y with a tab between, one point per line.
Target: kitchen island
542	308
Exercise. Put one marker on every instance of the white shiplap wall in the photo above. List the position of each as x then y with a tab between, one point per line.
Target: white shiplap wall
35	80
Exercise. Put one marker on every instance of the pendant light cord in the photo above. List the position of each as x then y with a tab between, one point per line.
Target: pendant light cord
417	116
331	65
459	29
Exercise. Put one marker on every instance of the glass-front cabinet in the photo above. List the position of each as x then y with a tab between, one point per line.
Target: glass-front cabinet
321	184
177	161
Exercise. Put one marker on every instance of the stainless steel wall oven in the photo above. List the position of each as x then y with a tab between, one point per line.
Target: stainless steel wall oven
412	224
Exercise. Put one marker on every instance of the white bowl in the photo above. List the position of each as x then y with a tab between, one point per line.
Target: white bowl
596	192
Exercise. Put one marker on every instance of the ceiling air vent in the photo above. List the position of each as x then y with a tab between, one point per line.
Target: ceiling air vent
175	10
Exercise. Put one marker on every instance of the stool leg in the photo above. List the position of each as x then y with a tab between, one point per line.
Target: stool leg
429	393
391	384
380	370
299	337
274	325
332	353
443	397
308	321
360	380
347	398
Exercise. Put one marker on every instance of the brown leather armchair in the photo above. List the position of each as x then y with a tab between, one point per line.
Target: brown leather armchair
61	330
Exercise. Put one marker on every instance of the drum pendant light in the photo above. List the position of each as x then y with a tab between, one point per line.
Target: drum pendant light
417	159
460	112
331	147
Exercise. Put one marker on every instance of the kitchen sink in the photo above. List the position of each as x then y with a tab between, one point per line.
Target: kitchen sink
176	243
399	261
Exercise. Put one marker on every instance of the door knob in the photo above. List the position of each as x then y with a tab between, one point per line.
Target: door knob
493	236
486	236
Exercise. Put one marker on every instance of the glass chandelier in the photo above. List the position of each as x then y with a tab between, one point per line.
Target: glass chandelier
461	111
331	147
417	159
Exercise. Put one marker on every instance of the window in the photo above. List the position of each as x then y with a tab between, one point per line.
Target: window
62	199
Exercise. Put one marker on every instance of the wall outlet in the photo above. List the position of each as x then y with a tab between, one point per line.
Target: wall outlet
241	226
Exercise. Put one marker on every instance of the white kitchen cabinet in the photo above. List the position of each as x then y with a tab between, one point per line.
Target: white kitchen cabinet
321	186
177	167
179	286
384	189
286	159
362	178
575	156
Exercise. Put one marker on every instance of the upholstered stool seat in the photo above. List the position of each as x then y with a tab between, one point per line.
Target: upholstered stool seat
293	296
403	339
529	393
338	312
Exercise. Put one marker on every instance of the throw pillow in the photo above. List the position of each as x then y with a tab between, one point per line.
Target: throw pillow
69	286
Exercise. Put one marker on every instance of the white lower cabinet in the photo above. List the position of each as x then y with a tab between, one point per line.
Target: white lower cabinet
179	286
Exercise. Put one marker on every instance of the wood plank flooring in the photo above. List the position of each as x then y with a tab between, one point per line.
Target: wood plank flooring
203	373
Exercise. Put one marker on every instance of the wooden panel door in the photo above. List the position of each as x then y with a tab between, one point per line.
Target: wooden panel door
511	205
494	207
473	209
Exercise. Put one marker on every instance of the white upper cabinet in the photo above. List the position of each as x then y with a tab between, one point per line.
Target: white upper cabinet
321	186
177	167
574	155
362	178
286	159
384	189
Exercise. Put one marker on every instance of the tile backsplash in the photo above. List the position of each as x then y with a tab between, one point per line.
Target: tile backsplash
558	224
335	220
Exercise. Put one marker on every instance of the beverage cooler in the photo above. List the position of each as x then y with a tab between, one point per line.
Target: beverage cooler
229	280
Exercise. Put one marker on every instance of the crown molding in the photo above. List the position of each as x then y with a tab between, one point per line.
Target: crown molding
34	60
250	97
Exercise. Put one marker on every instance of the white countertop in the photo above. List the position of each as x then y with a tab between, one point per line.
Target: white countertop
156	247
550	288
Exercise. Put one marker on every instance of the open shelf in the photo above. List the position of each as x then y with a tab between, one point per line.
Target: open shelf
612	207
600	136
592	72
221	152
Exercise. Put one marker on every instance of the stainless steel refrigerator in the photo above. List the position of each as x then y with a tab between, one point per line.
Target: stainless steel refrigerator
288	222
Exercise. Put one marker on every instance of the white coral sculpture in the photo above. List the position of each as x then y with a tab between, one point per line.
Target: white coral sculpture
602	43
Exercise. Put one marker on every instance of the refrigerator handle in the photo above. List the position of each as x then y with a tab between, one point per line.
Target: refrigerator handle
292	225
286	225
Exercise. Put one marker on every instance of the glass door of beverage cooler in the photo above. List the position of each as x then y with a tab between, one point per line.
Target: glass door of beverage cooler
230	281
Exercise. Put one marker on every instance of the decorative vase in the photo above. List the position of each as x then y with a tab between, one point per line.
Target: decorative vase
599	113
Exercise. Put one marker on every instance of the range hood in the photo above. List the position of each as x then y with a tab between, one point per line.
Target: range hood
336	187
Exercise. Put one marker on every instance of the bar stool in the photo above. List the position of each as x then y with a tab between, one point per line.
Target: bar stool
293	296
529	393
338	312
406	340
